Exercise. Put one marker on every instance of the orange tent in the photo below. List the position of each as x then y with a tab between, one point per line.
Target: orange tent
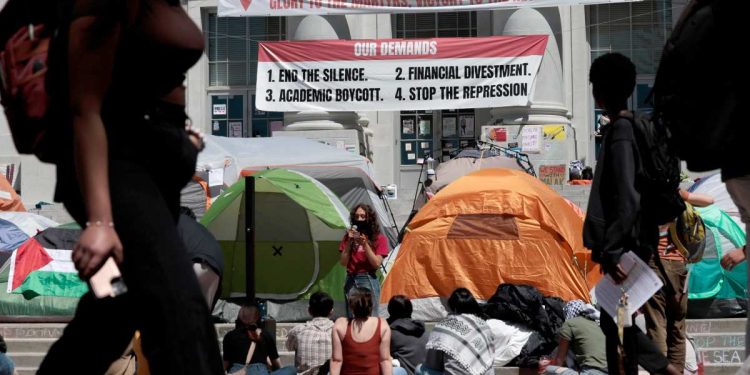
490	227
583	256
9	199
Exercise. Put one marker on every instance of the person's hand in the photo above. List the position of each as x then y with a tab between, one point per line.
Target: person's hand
254	334
96	244
618	274
351	233
732	258
196	137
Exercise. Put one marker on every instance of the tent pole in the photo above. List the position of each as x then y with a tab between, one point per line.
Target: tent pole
250	238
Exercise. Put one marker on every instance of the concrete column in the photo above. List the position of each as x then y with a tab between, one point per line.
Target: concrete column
547	101
319	28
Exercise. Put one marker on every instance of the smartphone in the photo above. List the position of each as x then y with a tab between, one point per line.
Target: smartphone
108	282
355	234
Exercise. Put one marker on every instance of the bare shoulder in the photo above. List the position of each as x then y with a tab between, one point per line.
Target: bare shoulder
384	327
340	324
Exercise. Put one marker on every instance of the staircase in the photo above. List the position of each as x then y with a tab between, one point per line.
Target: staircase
721	342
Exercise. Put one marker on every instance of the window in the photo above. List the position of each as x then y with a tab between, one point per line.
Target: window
431	25
416	136
227	115
637	30
265	123
233	47
419	129
457	132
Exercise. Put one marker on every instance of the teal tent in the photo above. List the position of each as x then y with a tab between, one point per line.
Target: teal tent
714	292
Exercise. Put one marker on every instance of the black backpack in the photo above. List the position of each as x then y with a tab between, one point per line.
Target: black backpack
658	178
699	83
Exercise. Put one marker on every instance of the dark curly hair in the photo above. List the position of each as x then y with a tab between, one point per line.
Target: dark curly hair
612	76
372	217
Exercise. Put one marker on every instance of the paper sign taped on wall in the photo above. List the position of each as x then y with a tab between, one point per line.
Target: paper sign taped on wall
552	174
531	138
499	134
554	133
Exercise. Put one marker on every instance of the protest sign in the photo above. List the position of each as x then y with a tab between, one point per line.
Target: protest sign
382	75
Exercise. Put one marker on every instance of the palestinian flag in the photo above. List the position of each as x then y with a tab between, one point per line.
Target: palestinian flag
42	266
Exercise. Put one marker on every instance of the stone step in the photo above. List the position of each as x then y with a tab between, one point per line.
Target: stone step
716	326
30	360
723	357
721	370
31	330
719	340
31	345
26	370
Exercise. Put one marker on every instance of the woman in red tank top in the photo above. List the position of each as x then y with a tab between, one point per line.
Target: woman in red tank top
362	345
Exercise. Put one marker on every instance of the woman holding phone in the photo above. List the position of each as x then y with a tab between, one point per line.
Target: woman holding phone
130	153
362	251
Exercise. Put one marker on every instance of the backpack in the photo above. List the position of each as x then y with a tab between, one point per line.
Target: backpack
658	178
688	234
32	63
700	108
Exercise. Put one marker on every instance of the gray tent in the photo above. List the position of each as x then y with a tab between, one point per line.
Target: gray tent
353	186
348	175
454	169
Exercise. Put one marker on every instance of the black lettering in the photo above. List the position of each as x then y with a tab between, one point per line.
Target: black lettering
286	75
306	95
495	91
358	94
422	93
344	74
419	73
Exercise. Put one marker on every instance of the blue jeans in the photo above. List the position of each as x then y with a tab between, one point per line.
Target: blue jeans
262	369
364	280
556	370
399	371
422	370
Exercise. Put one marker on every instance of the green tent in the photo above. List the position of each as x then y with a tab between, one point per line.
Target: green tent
298	225
714	292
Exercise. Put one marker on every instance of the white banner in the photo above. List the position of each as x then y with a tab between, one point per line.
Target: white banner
395	75
274	8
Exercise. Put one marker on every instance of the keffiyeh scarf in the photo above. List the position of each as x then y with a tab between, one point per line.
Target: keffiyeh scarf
576	308
467	339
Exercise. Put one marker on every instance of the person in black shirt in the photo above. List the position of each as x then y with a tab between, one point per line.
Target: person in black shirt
236	345
615	223
204	252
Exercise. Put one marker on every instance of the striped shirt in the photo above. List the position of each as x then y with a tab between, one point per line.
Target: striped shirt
667	249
